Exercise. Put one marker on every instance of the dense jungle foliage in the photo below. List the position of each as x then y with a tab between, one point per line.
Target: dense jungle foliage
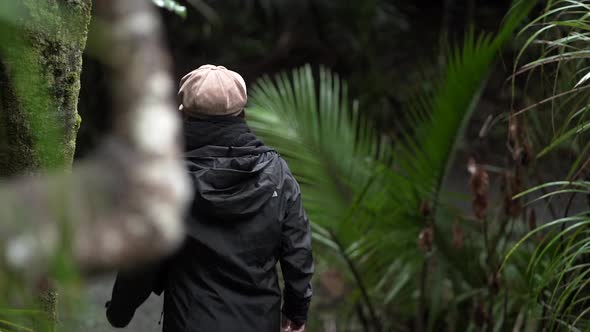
441	147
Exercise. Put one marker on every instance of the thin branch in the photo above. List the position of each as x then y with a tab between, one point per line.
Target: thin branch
361	317
359	282
421	308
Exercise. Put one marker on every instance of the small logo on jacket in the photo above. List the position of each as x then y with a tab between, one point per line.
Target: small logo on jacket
275	194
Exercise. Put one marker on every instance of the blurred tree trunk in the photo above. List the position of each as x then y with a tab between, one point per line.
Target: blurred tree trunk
38	117
125	204
40	67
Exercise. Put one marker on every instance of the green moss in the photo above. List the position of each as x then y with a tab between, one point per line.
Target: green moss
43	58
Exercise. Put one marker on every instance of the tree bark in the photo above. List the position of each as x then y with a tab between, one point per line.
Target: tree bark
40	67
125	204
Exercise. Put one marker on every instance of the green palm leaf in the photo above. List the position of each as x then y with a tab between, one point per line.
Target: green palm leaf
359	189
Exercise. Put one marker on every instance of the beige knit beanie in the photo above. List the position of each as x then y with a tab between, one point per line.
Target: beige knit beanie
212	91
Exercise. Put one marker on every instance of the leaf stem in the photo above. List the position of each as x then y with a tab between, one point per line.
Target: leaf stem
359	282
422	295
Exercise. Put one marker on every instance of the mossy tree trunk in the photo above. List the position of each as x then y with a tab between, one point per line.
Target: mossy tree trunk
40	66
111	211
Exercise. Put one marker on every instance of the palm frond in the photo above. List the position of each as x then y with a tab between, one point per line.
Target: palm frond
357	185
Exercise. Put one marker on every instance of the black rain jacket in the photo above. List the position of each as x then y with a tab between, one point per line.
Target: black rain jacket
247	215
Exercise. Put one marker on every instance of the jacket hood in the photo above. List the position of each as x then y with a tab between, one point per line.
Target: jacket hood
232	180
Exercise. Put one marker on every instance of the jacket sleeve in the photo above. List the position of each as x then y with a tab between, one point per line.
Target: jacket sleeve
296	262
131	289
